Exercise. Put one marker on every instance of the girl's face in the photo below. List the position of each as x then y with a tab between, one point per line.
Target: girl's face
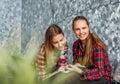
59	41
81	29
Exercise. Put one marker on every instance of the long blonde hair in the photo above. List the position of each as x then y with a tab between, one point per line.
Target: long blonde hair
50	32
92	39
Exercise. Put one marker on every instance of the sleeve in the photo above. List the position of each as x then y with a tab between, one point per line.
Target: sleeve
40	63
74	54
63	61
98	70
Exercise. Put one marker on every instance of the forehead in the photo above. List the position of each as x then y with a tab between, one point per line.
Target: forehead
80	23
57	37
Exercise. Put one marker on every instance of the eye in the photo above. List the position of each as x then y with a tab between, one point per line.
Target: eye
62	39
55	42
83	27
76	29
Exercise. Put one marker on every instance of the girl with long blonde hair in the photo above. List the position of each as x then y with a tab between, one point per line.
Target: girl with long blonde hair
89	51
52	54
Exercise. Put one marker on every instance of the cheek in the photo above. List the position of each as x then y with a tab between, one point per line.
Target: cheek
88	32
76	33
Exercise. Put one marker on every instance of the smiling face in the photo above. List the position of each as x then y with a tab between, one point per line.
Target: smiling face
81	29
59	41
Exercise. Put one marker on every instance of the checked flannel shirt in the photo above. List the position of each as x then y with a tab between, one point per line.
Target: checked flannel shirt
101	66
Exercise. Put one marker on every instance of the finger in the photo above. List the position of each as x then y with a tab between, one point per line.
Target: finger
62	68
69	68
75	68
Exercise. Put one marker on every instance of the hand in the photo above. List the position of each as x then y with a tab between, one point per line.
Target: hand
74	68
79	65
62	68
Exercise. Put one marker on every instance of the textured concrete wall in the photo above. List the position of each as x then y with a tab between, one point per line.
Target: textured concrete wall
10	20
37	15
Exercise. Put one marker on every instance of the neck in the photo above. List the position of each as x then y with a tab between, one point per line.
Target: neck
83	43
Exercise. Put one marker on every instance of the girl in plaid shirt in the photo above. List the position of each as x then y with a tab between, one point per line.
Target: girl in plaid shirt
52	54
90	51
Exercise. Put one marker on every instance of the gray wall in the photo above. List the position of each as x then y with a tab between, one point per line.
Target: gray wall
10	20
34	16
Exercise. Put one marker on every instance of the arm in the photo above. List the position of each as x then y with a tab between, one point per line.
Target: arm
40	62
98	70
63	60
92	73
75	53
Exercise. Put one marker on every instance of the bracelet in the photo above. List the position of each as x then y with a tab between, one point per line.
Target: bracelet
62	53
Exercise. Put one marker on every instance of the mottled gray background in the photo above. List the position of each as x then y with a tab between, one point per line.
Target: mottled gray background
25	19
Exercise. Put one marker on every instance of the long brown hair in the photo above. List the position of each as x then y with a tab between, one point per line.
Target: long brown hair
50	32
92	39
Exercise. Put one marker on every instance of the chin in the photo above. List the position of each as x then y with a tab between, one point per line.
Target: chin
82	39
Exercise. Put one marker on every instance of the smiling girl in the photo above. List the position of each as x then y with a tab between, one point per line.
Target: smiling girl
90	51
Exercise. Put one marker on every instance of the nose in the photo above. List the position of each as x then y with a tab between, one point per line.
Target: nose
80	31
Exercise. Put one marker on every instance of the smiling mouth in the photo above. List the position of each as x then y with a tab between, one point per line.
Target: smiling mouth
81	36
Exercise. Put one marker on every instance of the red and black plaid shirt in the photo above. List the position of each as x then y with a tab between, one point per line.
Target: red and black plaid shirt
101	66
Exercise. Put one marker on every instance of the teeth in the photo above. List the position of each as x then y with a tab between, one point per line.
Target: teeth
81	35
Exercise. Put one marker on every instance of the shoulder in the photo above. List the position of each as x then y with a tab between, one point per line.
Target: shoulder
97	48
77	42
41	50
42	46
